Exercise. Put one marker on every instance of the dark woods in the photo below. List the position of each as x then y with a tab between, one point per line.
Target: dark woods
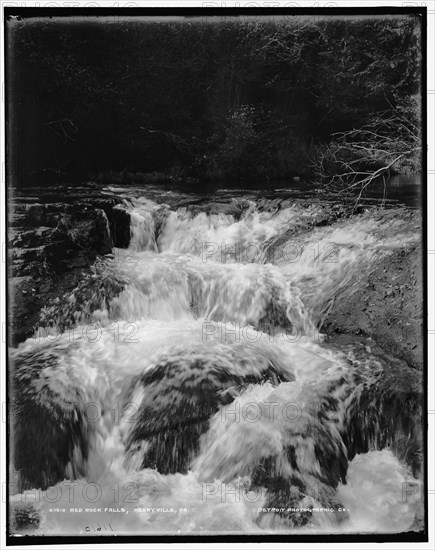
225	100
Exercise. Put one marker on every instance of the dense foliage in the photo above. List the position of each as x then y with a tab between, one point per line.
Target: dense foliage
224	99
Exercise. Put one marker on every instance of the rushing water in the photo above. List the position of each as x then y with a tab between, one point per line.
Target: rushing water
206	399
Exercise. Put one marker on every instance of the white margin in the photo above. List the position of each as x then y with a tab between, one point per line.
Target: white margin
430	4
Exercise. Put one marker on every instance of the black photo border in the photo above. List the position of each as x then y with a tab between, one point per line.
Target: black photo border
51	12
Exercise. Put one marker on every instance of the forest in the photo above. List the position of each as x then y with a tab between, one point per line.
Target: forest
232	100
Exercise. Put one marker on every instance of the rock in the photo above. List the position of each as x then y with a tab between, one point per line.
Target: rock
93	232
394	323
181	393
289	449
54	234
386	412
34	214
52	435
23	516
383	404
160	216
120	227
24	306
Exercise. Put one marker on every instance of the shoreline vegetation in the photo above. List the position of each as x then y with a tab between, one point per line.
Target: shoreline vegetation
330	101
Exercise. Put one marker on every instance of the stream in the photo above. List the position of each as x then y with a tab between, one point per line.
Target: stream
204	397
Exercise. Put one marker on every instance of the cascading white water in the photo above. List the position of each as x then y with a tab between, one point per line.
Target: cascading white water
216	322
142	227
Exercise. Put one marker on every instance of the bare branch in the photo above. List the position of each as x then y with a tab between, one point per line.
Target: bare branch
358	157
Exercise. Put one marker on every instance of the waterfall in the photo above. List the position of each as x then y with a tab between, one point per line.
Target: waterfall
204	397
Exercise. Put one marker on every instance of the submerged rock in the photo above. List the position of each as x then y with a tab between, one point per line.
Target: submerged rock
180	395
385	409
51	433
283	442
378	402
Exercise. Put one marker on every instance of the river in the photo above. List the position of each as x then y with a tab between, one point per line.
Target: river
204	398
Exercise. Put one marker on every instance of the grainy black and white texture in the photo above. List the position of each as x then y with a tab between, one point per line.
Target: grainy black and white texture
215	246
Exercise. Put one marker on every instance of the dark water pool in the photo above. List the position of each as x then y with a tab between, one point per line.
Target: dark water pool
406	189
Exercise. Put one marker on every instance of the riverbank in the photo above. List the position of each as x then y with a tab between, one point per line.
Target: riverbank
387	305
55	235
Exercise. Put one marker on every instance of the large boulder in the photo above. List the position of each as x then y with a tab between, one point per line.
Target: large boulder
384	406
51	433
183	391
282	442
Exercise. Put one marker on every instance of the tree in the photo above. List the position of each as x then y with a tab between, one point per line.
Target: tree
389	142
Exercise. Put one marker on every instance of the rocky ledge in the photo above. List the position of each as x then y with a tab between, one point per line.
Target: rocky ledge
387	307
54	236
